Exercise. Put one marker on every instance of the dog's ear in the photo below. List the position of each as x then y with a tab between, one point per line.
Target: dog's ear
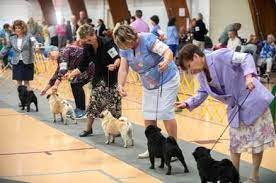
48	96
159	129
209	151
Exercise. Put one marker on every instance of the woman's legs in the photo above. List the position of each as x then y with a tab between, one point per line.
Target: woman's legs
19	82
27	84
171	127
150	122
256	160
79	95
235	158
147	123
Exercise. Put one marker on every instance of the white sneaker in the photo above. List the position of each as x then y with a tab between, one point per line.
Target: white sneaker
143	155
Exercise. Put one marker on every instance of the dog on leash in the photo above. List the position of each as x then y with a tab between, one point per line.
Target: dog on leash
62	107
26	98
113	127
212	170
164	148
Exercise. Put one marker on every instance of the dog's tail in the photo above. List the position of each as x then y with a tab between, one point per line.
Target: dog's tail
122	118
129	125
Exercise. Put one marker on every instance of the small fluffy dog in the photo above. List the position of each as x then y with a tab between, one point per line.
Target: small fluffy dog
26	98
113	127
164	148
212	170
62	107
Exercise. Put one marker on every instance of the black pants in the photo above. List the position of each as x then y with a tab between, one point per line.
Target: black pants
79	95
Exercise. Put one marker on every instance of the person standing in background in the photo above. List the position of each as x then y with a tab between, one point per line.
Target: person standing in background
22	45
53	35
172	35
74	26
61	33
199	31
100	28
139	24
223	38
45	33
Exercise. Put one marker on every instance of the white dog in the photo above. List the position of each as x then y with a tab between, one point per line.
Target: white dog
112	127
62	107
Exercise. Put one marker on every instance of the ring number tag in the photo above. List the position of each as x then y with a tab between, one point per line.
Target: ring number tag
112	52
63	66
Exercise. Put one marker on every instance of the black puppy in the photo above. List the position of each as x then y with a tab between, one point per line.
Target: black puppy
26	97
164	148
227	172
212	170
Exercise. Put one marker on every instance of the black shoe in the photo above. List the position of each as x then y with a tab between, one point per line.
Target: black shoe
86	133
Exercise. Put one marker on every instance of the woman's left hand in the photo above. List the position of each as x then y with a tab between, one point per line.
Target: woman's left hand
112	67
163	65
249	82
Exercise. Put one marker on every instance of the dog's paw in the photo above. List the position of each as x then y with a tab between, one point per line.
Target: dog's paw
65	123
107	142
54	121
186	171
161	166
168	173
125	146
36	110
151	167
75	122
28	110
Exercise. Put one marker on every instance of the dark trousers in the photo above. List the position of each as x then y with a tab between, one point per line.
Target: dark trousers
79	95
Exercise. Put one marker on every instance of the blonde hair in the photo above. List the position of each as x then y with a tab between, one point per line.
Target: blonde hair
85	30
123	35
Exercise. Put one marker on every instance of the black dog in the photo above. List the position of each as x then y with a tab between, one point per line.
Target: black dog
164	148
26	97
212	170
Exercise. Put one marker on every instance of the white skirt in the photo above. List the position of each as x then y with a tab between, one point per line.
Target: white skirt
166	101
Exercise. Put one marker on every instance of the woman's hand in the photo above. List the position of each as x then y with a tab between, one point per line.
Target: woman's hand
54	89
180	105
122	91
67	76
163	65
43	92
112	67
249	82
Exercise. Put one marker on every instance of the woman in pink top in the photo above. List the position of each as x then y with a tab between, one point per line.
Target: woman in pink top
61	32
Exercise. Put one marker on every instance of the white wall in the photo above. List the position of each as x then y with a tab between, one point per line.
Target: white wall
11	10
149	8
224	12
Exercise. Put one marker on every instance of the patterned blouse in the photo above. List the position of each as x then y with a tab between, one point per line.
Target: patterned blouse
69	59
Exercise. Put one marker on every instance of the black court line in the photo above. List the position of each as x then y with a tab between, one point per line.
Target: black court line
62	173
47	152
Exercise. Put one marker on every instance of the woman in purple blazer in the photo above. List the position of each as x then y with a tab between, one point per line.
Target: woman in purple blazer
229	76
